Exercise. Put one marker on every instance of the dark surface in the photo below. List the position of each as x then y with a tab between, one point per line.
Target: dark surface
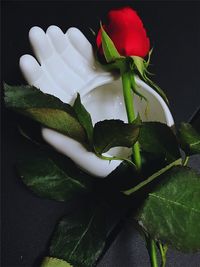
174	30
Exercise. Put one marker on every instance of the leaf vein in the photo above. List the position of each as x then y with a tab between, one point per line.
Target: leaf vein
174	202
66	177
82	236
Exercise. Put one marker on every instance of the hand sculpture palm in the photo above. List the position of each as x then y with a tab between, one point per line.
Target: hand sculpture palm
67	66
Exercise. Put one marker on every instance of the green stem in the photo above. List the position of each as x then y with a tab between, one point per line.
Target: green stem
115	158
151	246
163	252
154	176
128	99
185	161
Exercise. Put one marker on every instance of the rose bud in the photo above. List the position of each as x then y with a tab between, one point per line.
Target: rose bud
127	32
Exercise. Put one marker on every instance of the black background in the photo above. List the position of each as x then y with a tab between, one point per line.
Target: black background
174	30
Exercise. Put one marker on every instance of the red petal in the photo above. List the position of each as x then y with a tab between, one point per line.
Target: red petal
126	30
98	39
123	18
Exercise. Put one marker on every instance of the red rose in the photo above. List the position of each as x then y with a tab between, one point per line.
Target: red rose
127	32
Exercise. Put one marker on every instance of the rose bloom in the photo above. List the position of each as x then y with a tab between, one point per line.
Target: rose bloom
127	32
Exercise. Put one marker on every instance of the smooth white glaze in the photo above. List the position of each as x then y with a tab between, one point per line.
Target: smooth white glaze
65	65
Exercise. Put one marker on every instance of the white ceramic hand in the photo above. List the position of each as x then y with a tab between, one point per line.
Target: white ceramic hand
67	66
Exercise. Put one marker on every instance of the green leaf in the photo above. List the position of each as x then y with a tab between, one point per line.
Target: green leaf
113	133
80	237
52	262
171	213
189	139
50	176
109	49
158	139
84	118
45	109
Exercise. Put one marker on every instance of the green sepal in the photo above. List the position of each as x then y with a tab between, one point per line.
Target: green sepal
156	87
149	58
140	65
134	87
109	49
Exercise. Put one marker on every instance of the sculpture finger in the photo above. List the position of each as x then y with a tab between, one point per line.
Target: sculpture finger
35	75
52	65
30	69
57	38
73	60
41	46
60	69
80	42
